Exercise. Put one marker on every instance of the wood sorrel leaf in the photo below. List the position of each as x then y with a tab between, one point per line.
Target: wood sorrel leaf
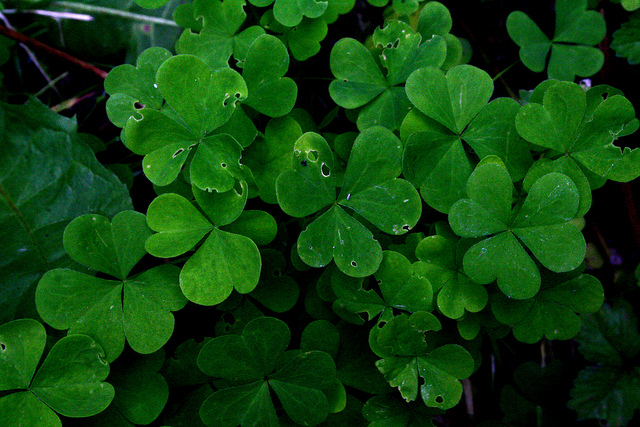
109	247
542	224
128	84
177	223
96	307
298	381
69	381
203	101
266	64
585	135
553	311
440	263
224	262
577	30
268	156
360	82
410	357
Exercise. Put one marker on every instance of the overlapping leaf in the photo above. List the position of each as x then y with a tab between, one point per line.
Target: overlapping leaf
48	176
552	312
303	39
609	390
407	356
572	52
541	224
128	85
454	109
626	40
217	36
201	101
402	287
583	128
138	308
225	260
270	154
69	381
361	83
290	12
370	188
441	263
258	359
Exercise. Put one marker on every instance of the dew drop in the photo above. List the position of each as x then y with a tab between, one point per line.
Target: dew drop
155	85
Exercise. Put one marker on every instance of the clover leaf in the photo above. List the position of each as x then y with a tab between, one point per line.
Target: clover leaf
138	307
541	224
453	108
609	389
303	39
290	12
370	188
258	359
441	263
141	392
361	83
203	101
552	312
276	291
129	85
625	40
271	153
409	356
225	260
217	37
266	64
572	51
402	287
583	128
386	410
69	381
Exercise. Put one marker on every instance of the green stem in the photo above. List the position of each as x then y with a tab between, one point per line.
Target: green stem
504	71
88	8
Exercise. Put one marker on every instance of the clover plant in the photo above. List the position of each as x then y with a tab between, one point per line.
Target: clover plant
357	257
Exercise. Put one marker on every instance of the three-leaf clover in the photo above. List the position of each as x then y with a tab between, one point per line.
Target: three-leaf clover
609	389
541	224
216	38
580	129
201	101
441	263
69	381
407	355
290	12
572	51
137	307
225	260
552	312
256	363
370	188
361	83
453	110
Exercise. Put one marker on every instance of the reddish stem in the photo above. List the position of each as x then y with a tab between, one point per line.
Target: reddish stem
7	32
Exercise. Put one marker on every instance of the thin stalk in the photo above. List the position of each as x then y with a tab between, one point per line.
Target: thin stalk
505	70
88	8
7	32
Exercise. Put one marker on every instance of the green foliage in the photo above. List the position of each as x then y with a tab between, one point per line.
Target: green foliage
626	40
349	256
572	51
68	382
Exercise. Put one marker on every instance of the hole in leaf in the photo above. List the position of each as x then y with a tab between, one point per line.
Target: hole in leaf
439	400
3	347
177	153
277	273
229	318
224	165
138	105
303	163
325	170
421	381
354	264
312	155
237	95
406	227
